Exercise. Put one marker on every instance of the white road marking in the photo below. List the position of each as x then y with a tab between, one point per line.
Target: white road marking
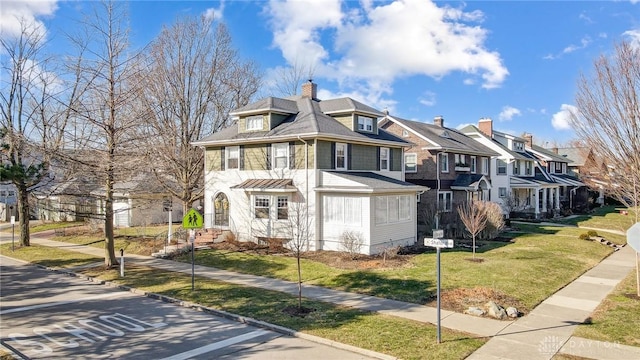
215	346
40	306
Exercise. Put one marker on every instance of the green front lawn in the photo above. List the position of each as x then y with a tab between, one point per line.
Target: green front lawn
529	269
606	217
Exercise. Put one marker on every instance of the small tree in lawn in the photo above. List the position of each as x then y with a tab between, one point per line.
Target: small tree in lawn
298	233
474	217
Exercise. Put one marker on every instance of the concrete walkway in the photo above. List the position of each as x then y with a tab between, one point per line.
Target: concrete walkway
542	333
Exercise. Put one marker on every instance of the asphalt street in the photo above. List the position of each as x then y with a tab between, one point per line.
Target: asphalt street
47	315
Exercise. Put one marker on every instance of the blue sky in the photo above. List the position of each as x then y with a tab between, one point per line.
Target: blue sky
516	62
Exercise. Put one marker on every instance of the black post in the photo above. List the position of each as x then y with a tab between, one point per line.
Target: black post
438	290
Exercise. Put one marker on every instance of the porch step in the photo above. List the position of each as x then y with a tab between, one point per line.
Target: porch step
207	236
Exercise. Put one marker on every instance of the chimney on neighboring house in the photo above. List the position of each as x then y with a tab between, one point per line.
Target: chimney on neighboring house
309	90
554	149
528	139
486	126
438	121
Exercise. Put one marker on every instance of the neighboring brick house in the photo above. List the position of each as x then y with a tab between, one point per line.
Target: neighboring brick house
574	194
317	169
520	188
455	167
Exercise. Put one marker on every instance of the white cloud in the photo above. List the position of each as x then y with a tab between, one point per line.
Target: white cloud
633	37
12	13
562	120
379	43
584	42
215	14
508	112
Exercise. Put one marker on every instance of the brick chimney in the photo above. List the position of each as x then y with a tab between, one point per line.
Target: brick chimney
438	121
486	126
554	149
528	139
309	90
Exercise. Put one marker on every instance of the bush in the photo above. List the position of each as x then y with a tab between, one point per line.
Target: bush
584	236
592	233
351	242
495	221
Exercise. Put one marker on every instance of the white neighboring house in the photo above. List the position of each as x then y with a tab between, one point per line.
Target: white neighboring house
302	168
8	201
519	184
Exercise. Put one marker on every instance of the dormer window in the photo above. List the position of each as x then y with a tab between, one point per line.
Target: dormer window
365	123
254	122
518	146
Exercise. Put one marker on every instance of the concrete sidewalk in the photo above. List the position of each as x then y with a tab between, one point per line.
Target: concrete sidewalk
542	333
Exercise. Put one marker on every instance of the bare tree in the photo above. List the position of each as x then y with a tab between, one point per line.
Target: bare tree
298	230
108	149
191	81
289	79
35	104
474	216
608	120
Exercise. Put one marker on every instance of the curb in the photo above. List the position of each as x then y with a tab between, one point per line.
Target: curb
235	317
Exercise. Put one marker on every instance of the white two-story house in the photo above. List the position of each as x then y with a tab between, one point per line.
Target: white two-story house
300	167
517	185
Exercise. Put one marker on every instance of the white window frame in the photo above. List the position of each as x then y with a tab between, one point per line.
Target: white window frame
392	209
344	148
282	203
415	162
384	158
262	198
473	163
405	133
516	167
502	192
498	167
445	201
461	159
275	156
229	150
485	166
518	146
443	160
528	166
343	210
254	122
365	123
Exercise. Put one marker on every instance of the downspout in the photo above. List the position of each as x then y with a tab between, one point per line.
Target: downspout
438	190
306	188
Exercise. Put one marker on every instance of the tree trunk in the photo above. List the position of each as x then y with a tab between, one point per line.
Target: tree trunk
299	281
23	214
110	259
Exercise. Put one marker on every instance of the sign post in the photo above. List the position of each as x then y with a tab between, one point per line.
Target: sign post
192	220
167	205
13	232
438	244
121	262
633	240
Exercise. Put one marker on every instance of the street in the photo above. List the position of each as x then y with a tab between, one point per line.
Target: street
46	315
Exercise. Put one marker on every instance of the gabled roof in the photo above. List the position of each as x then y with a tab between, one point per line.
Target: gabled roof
472	182
577	155
441	138
547	155
269	104
473	132
308	121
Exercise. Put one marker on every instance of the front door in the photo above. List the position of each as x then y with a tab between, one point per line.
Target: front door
221	210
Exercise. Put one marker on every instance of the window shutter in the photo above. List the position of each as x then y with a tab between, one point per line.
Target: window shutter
333	155
378	158
241	155
391	159
292	155
222	158
268	156
348	156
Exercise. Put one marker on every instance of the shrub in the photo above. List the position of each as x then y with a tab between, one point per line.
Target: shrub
495	221
592	233
351	242
584	236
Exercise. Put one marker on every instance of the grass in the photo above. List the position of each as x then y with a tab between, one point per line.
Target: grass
54	226
617	318
606	217
52	257
398	337
529	269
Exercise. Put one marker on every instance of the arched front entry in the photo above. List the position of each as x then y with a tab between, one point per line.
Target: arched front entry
221	210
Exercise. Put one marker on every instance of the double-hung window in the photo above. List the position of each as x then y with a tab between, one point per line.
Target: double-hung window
384	158
393	209
410	163
516	167
283	207
527	167
502	167
233	157
280	155
473	164
341	156
485	166
261	206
